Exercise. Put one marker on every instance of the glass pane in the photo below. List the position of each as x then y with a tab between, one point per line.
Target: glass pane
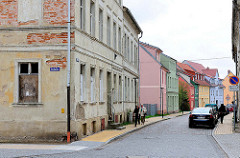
34	67
24	68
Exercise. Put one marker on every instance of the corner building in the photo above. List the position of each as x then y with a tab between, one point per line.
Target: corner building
33	67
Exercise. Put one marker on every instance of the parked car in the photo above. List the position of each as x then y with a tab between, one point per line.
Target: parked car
229	107
215	108
202	116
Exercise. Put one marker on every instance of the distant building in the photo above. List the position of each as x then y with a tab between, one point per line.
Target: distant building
172	83
184	81
199	79
228	95
216	86
153	74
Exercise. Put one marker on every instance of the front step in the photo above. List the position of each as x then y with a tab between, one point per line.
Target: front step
114	125
121	127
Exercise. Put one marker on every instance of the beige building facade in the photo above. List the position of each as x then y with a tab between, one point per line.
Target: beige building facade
33	67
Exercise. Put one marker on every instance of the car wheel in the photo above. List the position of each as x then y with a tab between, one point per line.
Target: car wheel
213	126
190	125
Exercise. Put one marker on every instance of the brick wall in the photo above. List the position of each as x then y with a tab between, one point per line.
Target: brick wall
55	12
8	12
48	38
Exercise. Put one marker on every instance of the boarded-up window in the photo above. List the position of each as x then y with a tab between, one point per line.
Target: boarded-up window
28	82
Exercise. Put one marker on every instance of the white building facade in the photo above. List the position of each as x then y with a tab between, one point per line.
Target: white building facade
103	75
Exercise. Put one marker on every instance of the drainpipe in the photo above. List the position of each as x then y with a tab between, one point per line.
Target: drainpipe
139	69
68	74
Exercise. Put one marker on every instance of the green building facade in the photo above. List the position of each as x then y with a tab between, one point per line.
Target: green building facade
196	93
172	83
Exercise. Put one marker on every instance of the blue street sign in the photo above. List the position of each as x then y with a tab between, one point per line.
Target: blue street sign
54	68
234	80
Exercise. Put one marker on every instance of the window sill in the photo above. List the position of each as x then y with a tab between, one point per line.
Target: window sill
26	104
82	102
93	103
101	102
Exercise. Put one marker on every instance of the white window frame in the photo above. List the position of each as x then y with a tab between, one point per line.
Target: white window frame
92	18
109	31
16	81
114	35
101	87
92	85
82	14
100	24
82	82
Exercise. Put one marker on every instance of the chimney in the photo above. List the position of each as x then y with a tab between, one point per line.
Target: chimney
229	71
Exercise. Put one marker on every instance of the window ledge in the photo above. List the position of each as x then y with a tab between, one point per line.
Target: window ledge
93	103
101	102
26	104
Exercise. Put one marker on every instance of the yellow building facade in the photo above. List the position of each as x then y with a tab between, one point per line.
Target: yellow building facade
203	95
228	95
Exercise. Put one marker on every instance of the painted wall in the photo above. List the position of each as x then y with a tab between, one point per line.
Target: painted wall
228	95
203	95
172	83
42	38
150	92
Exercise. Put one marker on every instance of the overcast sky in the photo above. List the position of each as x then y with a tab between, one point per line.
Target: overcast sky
188	29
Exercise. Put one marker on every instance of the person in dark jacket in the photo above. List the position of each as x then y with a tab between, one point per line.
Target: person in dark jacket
136	113
222	112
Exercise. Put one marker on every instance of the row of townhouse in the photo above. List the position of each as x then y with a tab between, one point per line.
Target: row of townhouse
34	55
161	78
208	87
158	79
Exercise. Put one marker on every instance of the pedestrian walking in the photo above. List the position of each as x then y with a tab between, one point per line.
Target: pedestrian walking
136	113
143	111
222	112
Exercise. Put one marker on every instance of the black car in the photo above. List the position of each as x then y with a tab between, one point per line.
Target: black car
202	116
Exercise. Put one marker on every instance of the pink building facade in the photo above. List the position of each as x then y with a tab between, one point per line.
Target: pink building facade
152	77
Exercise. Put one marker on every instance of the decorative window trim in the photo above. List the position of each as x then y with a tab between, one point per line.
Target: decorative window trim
16	81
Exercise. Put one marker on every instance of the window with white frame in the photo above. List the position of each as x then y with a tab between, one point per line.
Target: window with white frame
115	87
129	90
120	89
126	88
100	24
82	14
114	35
28	82
131	54
92	84
108	31
128	49
82	82
125	45
119	40
101	85
92	18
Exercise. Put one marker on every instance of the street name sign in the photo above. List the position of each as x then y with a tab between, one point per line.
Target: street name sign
233	80
233	88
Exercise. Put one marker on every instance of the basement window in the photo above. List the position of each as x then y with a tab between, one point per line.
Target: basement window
28	82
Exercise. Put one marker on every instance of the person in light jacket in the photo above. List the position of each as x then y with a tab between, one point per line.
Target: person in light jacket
142	112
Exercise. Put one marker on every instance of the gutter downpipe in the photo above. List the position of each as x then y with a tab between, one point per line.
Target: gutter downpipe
68	74
139	68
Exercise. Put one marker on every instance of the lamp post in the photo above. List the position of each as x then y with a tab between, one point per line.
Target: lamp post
68	75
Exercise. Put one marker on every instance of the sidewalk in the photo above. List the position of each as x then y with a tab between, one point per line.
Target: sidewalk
227	138
107	136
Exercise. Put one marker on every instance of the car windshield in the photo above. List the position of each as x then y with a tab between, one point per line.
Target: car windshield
201	110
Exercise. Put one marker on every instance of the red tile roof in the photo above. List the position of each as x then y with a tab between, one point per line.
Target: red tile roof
185	66
202	83
210	72
198	67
